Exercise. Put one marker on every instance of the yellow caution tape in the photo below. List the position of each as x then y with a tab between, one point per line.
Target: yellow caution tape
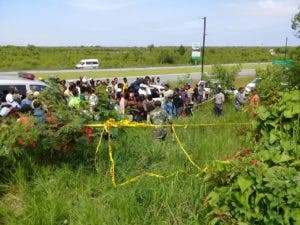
100	140
125	123
184	151
206	101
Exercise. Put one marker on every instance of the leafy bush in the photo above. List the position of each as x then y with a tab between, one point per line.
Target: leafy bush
261	187
64	137
225	75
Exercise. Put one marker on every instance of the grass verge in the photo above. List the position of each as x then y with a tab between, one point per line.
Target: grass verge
69	194
139	72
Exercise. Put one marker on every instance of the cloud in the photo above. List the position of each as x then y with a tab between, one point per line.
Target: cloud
267	7
283	7
100	5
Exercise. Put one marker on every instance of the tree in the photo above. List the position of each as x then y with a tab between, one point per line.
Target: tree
165	57
181	50
296	24
294	78
151	47
225	75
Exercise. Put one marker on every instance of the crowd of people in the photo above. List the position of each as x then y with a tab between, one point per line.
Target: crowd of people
136	99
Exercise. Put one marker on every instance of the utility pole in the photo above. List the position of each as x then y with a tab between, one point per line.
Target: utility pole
203	46
285	51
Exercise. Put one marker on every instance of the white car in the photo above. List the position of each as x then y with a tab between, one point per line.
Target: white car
207	89
156	91
252	85
160	88
88	64
22	84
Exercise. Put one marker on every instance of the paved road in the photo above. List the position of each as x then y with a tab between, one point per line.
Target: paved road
193	76
163	77
117	69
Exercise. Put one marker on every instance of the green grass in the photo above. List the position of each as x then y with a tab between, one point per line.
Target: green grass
68	194
121	73
242	81
32	57
140	72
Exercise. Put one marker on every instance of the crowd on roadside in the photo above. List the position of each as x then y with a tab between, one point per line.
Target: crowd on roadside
135	99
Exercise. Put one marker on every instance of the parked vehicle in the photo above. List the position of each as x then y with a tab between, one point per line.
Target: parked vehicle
88	64
26	75
157	88
252	85
22	84
207	89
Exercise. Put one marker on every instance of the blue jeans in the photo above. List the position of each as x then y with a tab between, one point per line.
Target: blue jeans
169	108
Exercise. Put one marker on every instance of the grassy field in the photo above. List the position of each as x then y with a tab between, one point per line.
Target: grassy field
140	72
78	194
33	57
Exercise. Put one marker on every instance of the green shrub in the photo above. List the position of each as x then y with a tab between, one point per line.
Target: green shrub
261	187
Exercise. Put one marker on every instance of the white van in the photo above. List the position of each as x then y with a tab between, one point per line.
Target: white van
88	64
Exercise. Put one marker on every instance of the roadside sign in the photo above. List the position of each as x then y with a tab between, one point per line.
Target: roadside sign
196	54
281	62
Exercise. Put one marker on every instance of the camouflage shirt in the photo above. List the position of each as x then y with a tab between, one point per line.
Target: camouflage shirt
158	116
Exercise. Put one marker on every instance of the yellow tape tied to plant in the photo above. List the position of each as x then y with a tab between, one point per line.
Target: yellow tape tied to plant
111	123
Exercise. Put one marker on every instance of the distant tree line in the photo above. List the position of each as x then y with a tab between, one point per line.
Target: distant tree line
32	57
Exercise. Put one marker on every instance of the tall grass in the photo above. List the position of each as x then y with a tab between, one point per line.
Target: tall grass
64	195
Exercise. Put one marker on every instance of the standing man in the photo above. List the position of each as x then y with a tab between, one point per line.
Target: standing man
125	84
201	91
158	81
158	116
168	97
219	102
240	99
178	103
115	84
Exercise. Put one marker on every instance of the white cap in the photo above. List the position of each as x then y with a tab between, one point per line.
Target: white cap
36	93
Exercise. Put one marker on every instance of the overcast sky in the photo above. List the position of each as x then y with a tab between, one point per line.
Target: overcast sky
145	22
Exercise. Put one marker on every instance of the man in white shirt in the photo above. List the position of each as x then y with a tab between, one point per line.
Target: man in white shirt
219	102
115	83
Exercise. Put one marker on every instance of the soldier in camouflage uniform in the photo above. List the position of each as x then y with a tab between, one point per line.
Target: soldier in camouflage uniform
158	116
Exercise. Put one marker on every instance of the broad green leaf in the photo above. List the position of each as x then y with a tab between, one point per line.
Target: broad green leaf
287	145
296	164
243	223
265	155
273	138
214	198
263	113
258	198
244	183
287	126
296	109
279	158
295	214
288	113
